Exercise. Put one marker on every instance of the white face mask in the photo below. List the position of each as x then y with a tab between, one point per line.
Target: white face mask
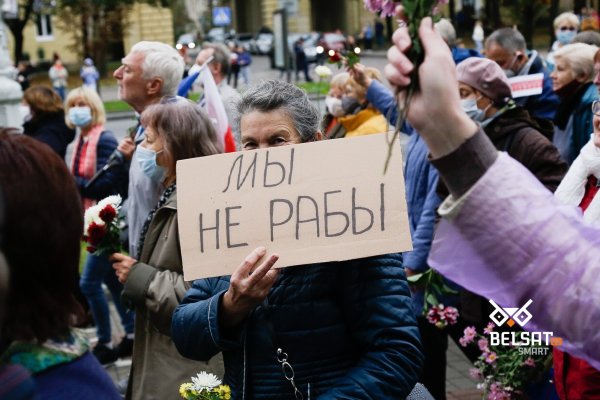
334	106
469	106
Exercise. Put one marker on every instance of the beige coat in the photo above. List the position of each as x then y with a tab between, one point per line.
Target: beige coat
155	286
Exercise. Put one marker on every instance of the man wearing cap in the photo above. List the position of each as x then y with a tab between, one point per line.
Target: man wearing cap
486	97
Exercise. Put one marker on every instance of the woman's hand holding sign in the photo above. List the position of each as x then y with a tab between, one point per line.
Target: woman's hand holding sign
249	286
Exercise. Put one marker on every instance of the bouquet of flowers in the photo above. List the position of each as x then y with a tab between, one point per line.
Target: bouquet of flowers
435	287
504	371
205	386
101	226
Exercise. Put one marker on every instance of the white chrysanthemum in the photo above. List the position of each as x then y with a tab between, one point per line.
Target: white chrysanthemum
323	71
92	215
205	380
114	200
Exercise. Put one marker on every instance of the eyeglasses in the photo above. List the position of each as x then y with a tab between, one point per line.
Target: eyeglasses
596	108
567	28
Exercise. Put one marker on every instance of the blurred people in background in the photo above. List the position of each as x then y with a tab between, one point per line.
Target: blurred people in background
448	33
23	70
89	74
333	106
566	26
234	67
301	62
478	36
244	60
93	148
587	37
58	76
572	82
43	229
45	120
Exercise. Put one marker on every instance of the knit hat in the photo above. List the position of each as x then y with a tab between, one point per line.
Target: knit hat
485	76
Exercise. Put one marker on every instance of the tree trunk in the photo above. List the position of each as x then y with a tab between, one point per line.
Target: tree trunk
527	28
553	14
451	7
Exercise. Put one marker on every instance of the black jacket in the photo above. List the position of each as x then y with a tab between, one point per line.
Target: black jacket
52	130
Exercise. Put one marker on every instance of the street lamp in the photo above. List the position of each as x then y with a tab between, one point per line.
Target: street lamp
10	90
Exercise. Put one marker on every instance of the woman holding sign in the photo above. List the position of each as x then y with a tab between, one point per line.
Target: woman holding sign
175	129
338	329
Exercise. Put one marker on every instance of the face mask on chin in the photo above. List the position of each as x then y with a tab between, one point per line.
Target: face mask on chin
334	106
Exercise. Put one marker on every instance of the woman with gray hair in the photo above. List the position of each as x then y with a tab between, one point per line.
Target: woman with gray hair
572	82
338	329
175	129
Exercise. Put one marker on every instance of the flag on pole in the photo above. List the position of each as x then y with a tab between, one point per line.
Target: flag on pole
212	103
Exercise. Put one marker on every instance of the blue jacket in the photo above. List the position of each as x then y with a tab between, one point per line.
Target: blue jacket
460	54
582	118
348	328
113	181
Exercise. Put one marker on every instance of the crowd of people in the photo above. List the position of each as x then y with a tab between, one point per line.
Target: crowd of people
502	196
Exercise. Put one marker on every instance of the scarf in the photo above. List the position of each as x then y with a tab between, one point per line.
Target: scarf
572	94
88	159
572	188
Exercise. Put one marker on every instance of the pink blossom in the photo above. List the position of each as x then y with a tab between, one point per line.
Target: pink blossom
388	9
463	342
451	315
475	373
469	335
530	362
373	5
483	344
489	328
491	357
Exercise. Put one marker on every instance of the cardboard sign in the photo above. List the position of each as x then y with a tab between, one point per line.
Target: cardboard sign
526	85
312	202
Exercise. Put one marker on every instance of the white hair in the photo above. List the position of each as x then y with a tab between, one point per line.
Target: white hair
579	57
161	61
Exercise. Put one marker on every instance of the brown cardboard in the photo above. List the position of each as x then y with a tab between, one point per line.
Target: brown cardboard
299	177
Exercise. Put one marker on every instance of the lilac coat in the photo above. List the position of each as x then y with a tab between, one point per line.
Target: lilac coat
509	240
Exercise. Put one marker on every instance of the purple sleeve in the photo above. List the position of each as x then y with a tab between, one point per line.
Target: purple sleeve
510	240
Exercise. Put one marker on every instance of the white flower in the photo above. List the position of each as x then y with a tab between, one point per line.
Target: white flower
205	380
92	215
114	200
323	71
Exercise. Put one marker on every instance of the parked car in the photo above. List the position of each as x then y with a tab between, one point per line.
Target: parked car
310	44
218	35
186	43
262	44
245	40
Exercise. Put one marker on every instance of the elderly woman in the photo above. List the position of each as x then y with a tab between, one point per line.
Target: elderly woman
333	106
175	129
360	117
572	82
43	224
347	328
574	377
93	147
45	120
566	26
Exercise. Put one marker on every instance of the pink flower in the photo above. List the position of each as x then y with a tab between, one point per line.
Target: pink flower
530	362
491	357
475	373
469	335
483	344
388	9
489	328
373	5
451	315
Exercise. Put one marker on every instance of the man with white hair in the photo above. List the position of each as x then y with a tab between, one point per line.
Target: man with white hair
150	71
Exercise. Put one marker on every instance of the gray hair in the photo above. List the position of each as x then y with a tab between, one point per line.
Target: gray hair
446	31
509	39
222	56
580	58
274	95
161	61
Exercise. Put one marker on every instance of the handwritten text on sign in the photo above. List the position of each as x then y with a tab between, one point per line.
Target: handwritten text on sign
313	202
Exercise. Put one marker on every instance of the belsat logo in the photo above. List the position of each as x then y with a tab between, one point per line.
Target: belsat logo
530	343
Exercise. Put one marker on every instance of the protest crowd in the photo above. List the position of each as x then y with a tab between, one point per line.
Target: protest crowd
501	187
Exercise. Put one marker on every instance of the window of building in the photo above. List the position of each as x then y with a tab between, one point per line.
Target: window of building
44	27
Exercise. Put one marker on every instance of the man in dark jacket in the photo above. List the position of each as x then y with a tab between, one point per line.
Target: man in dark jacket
507	47
347	329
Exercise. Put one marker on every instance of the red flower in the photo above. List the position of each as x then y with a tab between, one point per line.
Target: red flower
90	249
336	57
108	213
96	233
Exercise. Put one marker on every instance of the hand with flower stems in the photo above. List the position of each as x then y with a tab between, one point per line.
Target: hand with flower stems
249	285
434	110
122	265
357	72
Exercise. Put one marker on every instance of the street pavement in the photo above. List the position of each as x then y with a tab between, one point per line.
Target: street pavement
459	385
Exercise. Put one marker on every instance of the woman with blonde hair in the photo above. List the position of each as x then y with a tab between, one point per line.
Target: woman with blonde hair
93	148
333	106
572	82
361	118
566	26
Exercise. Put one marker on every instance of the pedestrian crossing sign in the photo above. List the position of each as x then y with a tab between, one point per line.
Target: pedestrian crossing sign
221	16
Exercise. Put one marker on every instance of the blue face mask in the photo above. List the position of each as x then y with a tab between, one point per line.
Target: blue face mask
565	37
80	116
470	107
147	160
